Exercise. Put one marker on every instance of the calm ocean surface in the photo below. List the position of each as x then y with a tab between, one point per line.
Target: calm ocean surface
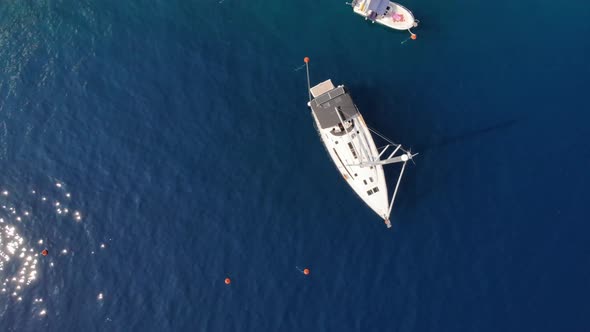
177	133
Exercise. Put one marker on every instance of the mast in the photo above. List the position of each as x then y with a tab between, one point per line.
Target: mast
399	179
403	158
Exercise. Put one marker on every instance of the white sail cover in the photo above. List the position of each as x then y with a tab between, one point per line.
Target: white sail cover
377	6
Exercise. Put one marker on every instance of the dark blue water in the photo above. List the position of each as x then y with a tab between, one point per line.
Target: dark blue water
181	130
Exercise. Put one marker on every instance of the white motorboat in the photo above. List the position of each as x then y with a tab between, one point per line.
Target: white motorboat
385	12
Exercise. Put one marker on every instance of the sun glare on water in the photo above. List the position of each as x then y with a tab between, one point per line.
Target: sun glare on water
25	259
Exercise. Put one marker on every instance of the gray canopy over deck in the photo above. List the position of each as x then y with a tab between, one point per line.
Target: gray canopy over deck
378	6
326	105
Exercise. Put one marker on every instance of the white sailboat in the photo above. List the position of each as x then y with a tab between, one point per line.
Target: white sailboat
350	144
385	12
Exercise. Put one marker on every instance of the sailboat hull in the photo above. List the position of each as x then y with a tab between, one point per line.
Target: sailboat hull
349	143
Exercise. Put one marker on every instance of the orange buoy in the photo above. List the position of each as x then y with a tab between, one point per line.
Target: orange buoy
45	252
227	281
306	271
413	36
306	59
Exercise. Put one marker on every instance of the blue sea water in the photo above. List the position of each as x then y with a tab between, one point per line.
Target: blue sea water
181	130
